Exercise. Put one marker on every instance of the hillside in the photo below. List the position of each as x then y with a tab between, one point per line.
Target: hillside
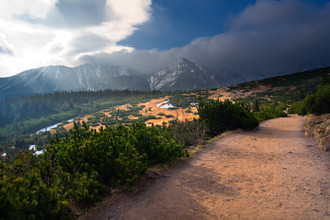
283	89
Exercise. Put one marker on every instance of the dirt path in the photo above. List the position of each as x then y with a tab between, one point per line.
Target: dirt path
269	173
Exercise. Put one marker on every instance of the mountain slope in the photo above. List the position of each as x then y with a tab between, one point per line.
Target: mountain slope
182	75
62	78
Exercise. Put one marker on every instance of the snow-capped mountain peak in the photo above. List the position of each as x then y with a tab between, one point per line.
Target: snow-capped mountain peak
182	74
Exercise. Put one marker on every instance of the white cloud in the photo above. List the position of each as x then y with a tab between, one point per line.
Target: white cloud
130	12
50	32
35	8
5	47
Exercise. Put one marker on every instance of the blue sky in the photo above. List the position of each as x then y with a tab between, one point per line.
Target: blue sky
177	23
229	36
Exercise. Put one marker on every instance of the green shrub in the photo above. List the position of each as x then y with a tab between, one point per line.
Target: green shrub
220	116
108	152
268	112
188	133
181	100
157	143
298	108
318	103
145	118
256	106
25	195
78	168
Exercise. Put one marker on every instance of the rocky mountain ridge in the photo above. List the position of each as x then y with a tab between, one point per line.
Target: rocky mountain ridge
180	75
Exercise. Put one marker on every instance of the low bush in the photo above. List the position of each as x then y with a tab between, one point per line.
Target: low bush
78	168
220	116
267	112
188	133
298	108
24	193
318	103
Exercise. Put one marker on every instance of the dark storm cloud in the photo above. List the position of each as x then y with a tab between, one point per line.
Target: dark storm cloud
269	37
265	38
270	13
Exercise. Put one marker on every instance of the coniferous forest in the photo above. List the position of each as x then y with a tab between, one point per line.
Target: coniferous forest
21	116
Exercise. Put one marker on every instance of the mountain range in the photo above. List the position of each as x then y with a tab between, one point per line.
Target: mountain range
180	75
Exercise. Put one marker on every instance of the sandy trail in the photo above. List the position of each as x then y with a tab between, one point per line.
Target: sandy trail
272	172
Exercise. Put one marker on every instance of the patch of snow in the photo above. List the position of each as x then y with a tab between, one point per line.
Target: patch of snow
167	106
87	81
170	78
33	79
172	84
32	147
57	73
161	72
98	71
162	103
51	127
48	128
38	152
79	74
